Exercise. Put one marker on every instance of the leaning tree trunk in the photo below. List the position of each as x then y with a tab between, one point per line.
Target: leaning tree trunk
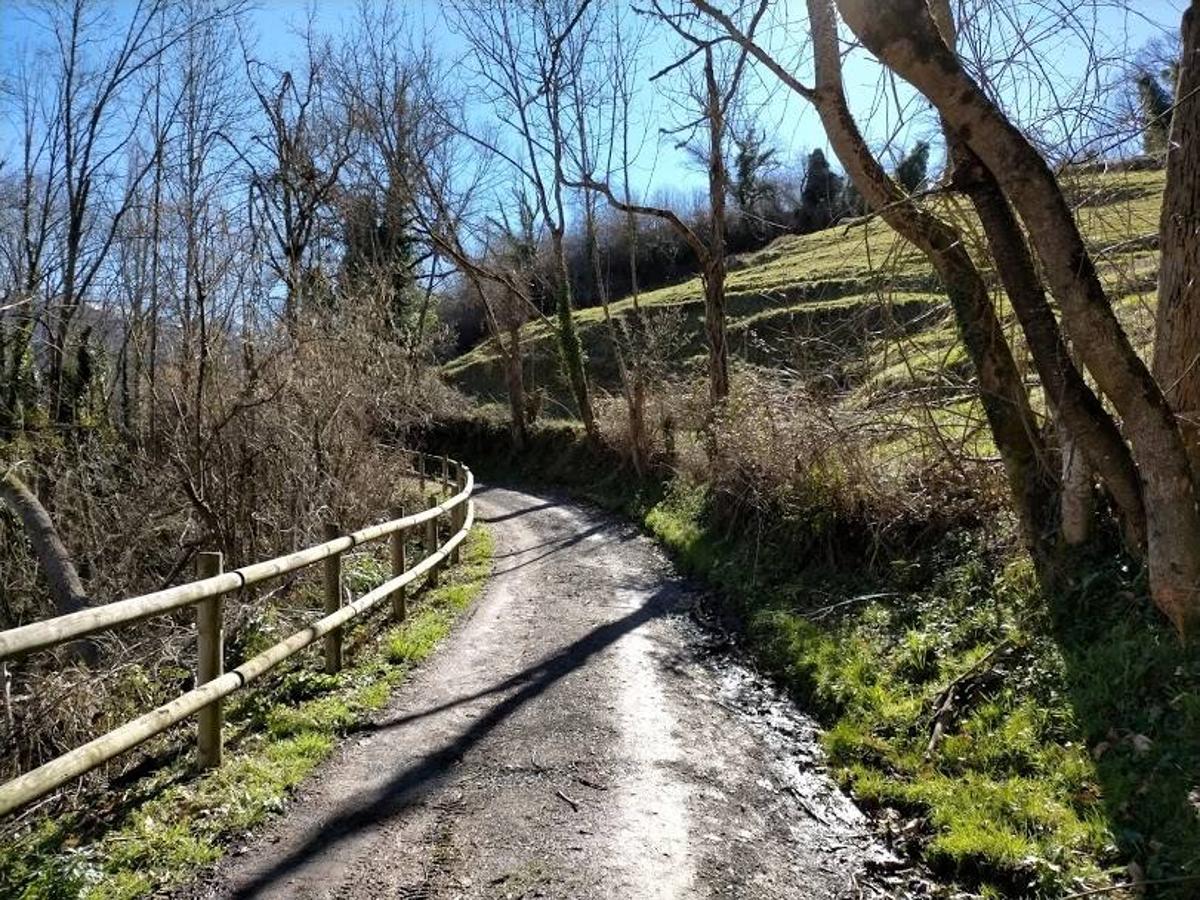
1177	331
66	588
902	34
1085	422
1032	483
569	346
1088	435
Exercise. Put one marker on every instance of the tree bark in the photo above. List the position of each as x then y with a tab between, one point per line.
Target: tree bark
714	281
1077	506
1177	329
1088	434
904	36
66	588
569	345
1033	483
1082	418
514	375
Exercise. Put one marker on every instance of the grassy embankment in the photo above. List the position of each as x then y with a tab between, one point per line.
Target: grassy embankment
1070	758
156	829
851	309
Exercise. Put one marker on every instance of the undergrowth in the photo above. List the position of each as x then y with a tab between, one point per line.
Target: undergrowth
174	821
1071	760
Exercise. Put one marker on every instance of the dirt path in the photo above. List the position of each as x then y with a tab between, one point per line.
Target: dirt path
578	737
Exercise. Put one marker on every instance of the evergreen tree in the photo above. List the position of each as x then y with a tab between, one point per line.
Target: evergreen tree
379	252
912	170
852	201
1156	103
820	201
752	163
754	193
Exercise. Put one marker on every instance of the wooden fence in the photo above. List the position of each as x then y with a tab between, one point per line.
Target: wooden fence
207	593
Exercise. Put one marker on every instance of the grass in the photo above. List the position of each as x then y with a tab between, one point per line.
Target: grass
1082	755
846	294
176	821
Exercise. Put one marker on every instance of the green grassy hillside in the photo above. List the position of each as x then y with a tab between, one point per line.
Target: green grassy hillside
853	306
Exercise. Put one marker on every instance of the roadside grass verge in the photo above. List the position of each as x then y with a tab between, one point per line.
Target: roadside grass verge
1071	749
158	830
1069	759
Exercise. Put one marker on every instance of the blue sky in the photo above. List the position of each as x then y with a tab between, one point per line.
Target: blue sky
785	119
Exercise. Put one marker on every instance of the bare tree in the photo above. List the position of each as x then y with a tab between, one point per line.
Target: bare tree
1032	481
1177	331
598	69
518	55
95	132
1089	436
444	181
36	192
379	75
906	38
295	174
65	585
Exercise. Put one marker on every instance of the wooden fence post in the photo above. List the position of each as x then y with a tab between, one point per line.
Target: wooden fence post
421	472
460	514
431	540
399	564
445	470
333	602
210	662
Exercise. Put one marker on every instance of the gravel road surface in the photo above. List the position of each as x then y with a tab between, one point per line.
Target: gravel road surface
579	735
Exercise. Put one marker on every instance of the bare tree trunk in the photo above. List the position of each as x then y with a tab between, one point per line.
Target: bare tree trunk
1085	426
600	282
1032	482
515	380
1081	415
1077	506
628	389
903	35
569	344
638	433
1005	400
11	414
714	270
1177	329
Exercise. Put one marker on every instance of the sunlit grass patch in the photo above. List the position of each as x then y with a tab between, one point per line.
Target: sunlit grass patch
1079	751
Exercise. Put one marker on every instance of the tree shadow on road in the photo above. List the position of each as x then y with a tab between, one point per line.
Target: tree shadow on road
409	784
572	536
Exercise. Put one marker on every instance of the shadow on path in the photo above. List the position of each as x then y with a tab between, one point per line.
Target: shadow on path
409	783
556	545
516	513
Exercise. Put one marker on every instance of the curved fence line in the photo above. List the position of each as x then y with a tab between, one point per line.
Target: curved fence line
49	632
212	685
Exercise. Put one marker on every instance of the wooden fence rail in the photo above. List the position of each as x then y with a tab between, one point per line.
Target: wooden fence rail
205	594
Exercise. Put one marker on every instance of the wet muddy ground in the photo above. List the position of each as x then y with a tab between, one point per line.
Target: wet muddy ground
581	734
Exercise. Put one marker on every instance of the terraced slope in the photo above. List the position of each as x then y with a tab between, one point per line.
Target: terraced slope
852	308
